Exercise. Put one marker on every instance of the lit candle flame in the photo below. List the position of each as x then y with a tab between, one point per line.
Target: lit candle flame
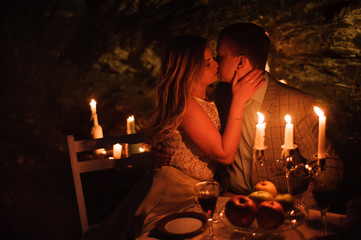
318	111
260	118
131	118
288	118
141	149
93	105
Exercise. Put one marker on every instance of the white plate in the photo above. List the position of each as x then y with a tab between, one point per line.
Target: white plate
182	224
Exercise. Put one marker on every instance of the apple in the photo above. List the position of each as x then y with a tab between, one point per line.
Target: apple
240	211
270	214
260	196
286	200
266	186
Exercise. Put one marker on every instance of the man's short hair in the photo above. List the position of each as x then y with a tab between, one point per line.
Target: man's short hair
247	39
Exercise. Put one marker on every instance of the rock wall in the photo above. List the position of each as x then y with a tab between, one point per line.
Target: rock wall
111	50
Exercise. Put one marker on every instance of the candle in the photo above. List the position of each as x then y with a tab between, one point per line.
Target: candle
321	133
260	132
288	133
117	151
93	106
97	130
141	149
130	125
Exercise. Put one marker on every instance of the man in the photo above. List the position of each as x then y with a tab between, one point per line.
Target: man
241	48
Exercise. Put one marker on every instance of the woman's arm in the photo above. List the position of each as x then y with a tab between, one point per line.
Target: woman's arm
200	128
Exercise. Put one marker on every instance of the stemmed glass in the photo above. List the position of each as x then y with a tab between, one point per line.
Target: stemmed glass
207	195
323	194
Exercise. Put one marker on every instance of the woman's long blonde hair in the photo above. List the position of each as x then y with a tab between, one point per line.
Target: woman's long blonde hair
182	66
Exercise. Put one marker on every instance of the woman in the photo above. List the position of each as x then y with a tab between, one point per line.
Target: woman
186	125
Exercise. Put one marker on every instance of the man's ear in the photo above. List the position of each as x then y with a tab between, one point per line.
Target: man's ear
241	62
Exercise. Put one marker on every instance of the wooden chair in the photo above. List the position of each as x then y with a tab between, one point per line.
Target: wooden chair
100	163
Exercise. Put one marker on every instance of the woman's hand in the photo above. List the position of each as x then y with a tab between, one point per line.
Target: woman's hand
244	88
159	159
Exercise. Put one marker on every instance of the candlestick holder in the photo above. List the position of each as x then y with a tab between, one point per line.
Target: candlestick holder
258	155
287	165
320	166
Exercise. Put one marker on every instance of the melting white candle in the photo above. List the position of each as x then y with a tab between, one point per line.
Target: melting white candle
117	151
321	133
260	133
130	125
97	130
288	133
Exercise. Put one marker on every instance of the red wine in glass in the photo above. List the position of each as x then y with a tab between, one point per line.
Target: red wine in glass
323	194
208	203
207	194
323	198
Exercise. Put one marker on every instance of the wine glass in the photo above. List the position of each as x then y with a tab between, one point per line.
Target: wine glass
207	195
323	194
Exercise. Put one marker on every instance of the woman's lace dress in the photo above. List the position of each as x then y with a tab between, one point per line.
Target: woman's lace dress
185	154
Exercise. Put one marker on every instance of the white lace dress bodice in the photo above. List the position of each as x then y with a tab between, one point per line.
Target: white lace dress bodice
186	156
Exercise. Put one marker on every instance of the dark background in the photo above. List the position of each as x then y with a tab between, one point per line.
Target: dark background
58	54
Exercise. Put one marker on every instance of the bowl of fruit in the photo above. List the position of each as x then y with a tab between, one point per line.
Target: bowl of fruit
263	211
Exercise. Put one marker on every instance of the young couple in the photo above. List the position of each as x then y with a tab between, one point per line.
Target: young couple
187	124
203	136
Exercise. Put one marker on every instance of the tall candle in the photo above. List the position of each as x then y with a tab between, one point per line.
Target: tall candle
288	133
93	106
260	133
321	133
117	151
130	125
97	130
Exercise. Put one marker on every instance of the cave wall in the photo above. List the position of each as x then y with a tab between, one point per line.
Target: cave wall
63	53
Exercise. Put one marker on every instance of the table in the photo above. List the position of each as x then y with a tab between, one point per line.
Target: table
309	230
